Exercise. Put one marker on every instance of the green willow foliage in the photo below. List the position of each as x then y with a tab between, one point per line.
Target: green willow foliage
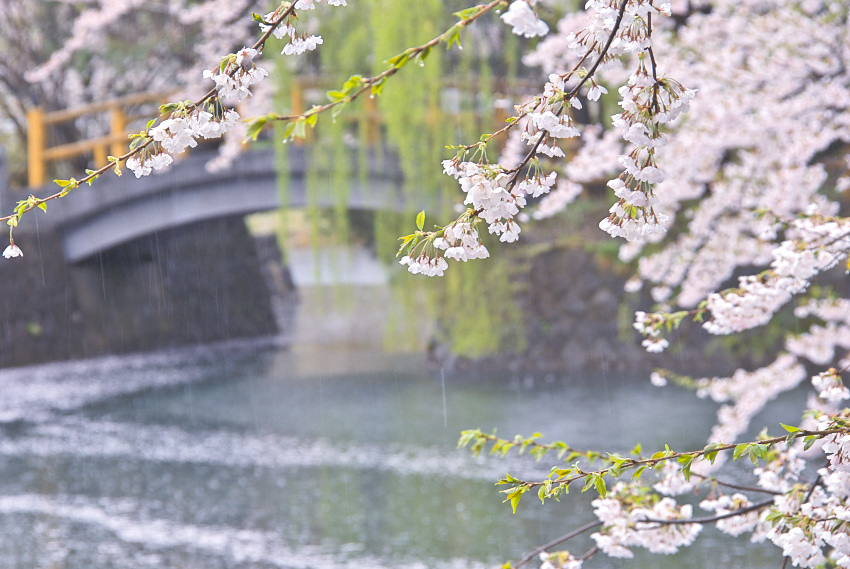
447	101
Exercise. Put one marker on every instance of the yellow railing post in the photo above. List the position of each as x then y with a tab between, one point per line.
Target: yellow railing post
117	129
99	154
35	147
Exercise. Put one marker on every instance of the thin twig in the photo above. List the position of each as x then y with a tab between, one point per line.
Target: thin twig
557	541
735	486
95	173
709	519
633	463
533	152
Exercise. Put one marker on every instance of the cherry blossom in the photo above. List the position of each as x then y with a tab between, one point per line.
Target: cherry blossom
12	251
524	21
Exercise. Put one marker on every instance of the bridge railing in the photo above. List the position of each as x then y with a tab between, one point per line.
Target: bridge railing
39	154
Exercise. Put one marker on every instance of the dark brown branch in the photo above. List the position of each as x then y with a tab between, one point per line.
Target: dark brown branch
710	519
557	541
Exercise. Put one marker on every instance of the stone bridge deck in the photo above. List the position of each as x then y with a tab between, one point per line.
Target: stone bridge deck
129	265
117	210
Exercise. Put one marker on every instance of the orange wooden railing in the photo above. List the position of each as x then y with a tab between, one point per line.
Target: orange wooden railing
39	154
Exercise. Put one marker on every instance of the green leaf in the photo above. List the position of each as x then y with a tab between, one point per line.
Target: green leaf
740	450
420	220
563	472
377	87
686	461
406	243
255	127
600	487
66	185
93	174
42	206
400	60
352	83
452	36
515	501
789	428
335	95
468	13
542	494
515	495
638	472
753	454
710	452
300	129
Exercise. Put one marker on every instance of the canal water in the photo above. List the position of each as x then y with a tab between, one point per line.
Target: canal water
318	450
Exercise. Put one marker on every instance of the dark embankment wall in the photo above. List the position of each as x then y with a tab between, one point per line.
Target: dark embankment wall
195	284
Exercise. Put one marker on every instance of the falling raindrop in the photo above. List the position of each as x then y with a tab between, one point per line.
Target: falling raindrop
445	410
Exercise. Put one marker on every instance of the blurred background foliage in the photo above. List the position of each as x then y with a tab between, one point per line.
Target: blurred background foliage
451	99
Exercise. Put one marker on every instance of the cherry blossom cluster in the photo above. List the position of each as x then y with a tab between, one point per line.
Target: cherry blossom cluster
819	343
235	74
650	326
822	243
647	103
559	560
298	40
633	36
742	182
745	393
725	504
458	241
804	522
493	191
495	196
624	514
837	449
180	131
233	77
524	21
543	120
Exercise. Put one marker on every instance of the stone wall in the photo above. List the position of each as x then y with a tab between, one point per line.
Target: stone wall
191	285
578	320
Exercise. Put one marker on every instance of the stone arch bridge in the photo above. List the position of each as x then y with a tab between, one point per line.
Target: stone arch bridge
130	264
117	210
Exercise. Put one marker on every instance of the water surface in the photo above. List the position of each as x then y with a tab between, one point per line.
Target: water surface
323	453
